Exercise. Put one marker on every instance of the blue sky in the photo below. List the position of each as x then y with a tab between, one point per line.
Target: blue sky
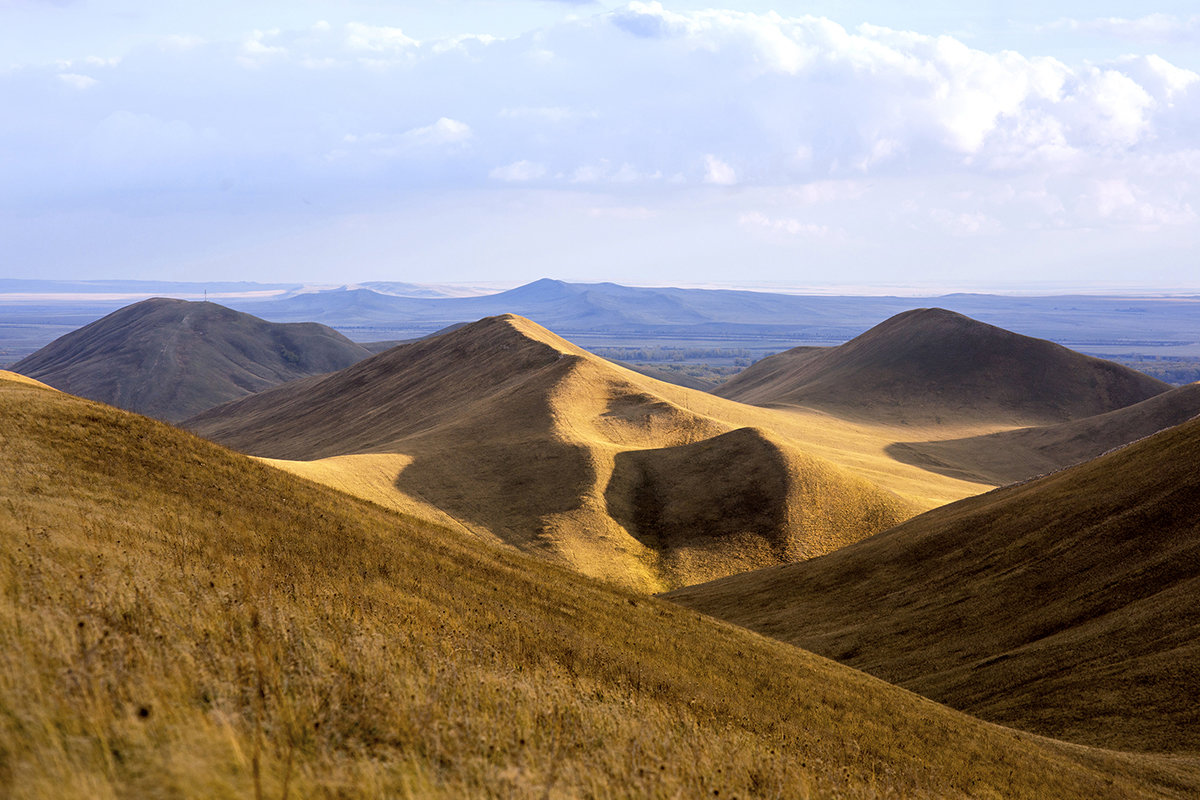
958	145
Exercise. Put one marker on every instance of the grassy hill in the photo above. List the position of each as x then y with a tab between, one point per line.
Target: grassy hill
519	435
936	365
182	621
1017	455
1064	606
173	358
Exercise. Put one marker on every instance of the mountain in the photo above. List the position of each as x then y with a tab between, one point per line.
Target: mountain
516	433
173	358
1063	606
1024	453
179	620
936	365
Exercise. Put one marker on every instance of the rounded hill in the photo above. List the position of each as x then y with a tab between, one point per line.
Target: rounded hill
930	364
174	358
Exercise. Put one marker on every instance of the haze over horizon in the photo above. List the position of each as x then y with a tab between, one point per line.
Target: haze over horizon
848	144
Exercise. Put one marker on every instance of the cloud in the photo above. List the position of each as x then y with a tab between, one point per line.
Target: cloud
77	81
1158	28
828	132
518	171
717	172
377	38
444	131
788	225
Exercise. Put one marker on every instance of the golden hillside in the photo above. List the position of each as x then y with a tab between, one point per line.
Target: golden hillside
1064	606
180	621
515	434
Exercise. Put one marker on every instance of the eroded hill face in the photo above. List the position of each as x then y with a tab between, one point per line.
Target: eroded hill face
171	359
519	435
180	620
1064	606
932	365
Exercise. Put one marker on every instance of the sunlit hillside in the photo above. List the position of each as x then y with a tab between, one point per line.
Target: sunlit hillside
1065	605
181	621
520	436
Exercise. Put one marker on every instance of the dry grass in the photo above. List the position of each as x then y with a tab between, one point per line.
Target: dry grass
180	621
1017	455
1064	606
522	437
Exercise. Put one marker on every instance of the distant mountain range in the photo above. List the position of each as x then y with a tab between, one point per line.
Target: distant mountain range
607	314
622	312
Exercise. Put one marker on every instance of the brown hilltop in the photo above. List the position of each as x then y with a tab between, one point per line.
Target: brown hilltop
1065	606
173	358
516	433
930	364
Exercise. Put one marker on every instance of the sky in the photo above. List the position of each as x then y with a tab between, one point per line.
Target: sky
963	146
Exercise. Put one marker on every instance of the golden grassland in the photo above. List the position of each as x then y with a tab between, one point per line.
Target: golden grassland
1064	606
520	436
182	621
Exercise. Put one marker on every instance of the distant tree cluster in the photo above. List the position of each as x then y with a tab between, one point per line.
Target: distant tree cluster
739	355
1176	371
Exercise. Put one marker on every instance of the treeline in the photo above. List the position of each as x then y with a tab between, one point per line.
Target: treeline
676	354
1176	371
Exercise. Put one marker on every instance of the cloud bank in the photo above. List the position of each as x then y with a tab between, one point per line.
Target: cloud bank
643	104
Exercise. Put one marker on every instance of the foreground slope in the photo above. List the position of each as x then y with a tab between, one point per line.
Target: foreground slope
1016	455
173	358
517	434
181	621
1065	606
935	365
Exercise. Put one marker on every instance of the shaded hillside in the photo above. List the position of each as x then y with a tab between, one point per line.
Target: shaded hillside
518	434
181	621
1065	606
173	358
1016	455
933	364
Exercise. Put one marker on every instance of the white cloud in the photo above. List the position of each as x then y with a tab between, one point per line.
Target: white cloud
377	38
518	171
1149	28
788	225
831	128
444	131
717	172
77	81
964	223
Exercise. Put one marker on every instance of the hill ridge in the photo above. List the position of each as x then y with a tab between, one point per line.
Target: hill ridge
521	435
